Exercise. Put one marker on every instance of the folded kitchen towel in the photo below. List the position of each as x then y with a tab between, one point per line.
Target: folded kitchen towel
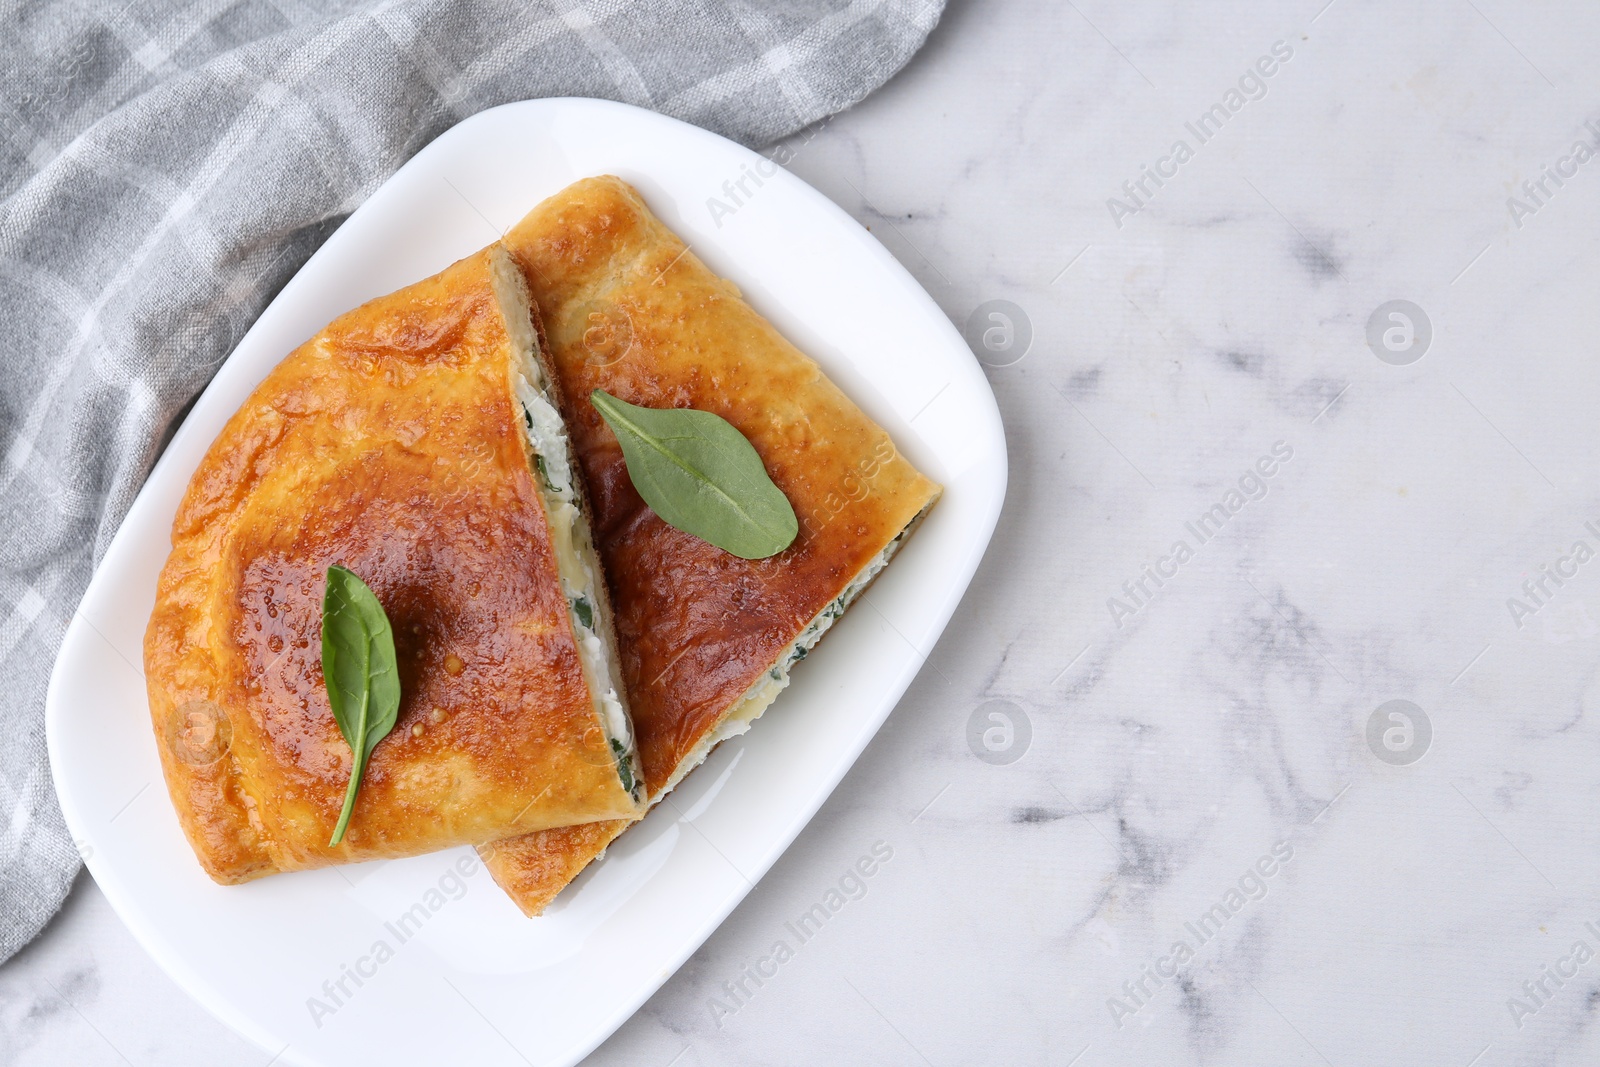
165	168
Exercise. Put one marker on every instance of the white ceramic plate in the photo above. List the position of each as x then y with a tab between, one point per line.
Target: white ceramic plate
467	979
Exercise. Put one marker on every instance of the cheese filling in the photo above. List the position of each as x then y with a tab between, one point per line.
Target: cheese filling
576	561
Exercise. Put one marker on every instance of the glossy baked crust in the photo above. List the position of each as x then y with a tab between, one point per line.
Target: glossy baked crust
629	309
390	443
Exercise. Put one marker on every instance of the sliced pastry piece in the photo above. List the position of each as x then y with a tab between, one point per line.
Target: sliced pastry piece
416	441
707	639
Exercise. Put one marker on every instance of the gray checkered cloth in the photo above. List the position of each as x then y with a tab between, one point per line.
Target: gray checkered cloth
166	168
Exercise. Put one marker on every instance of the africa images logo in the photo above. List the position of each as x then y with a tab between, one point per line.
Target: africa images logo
1537	192
1137	993
851	885
339	990
1253	485
1252	85
1541	588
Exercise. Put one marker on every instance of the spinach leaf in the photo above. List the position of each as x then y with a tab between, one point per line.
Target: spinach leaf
701	475
360	672
624	765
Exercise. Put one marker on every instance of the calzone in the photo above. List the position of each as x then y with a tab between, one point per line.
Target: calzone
707	639
417	441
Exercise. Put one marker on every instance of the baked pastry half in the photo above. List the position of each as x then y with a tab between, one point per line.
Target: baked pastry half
708	639
417	441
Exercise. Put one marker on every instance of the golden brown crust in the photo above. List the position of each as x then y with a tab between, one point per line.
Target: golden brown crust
629	309
390	443
534	868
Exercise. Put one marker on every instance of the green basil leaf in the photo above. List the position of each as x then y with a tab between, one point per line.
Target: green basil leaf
360	672
699	474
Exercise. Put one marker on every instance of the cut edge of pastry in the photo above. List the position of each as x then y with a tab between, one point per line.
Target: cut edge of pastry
561	491
749	707
533	900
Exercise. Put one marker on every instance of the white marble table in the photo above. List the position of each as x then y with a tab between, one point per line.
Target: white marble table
1208	845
